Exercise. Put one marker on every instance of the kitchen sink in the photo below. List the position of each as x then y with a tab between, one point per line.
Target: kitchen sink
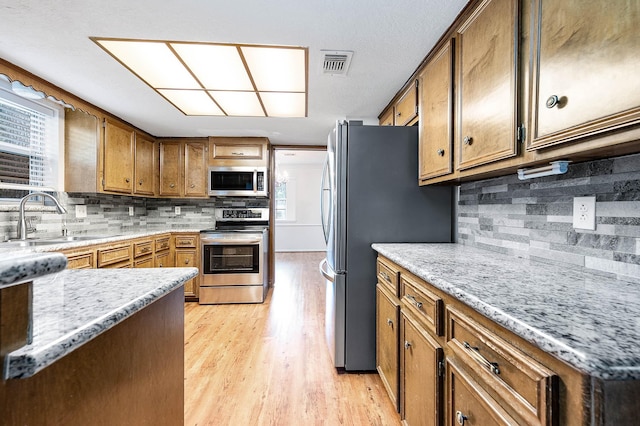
47	241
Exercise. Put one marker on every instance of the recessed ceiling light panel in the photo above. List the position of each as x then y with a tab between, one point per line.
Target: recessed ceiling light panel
219	79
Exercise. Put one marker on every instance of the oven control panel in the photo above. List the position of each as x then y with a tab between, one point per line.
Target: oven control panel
242	214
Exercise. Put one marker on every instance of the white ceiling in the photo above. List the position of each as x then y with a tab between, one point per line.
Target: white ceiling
389	38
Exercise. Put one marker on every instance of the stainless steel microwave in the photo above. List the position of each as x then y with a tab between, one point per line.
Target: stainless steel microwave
238	182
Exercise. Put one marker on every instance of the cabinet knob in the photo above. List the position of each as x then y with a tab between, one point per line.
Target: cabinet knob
186	261
441	152
172	185
389	322
468	140
552	101
460	418
127	180
160	266
192	186
140	183
399	114
407	344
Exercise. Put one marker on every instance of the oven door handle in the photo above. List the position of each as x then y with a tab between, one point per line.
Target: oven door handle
227	241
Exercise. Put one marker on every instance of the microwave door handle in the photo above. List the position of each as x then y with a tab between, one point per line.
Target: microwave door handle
255	180
227	241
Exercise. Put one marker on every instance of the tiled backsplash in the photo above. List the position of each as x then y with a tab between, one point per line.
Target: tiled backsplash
109	214
533	218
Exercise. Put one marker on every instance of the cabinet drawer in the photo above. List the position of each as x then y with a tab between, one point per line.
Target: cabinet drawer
388	275
469	404
186	241
425	305
186	258
109	256
142	248
162	243
162	260
144	263
526	386
81	260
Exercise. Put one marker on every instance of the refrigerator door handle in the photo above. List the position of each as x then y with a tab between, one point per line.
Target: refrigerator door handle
325	229
324	270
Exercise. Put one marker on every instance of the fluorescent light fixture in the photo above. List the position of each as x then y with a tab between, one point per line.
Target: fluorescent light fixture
25	92
554	168
219	79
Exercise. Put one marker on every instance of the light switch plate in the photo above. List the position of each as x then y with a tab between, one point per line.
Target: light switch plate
177	209
584	213
131	211
81	211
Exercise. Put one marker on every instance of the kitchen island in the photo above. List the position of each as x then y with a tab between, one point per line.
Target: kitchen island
106	347
578	328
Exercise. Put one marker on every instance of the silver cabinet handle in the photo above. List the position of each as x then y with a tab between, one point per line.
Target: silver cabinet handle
475	354
237	153
468	140
407	344
414	301
385	276
192	185
172	185
441	152
552	101
460	418
389	322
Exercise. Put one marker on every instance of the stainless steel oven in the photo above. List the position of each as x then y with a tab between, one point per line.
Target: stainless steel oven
234	258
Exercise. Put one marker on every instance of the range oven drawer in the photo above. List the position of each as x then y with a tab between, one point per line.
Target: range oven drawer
232	294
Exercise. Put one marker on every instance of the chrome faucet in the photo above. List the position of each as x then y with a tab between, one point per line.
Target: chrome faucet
22	227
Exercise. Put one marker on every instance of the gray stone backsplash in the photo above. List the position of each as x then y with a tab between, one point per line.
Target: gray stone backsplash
534	218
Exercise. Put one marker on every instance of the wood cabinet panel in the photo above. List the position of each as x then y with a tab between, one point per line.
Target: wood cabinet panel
406	109
142	248
425	305
162	243
145	165
386	119
186	241
388	275
81	260
387	335
111	255
585	75
525	385
238	151
487	75
171	166
118	157
422	365
163	260
195	169
469	404
436	115
144	263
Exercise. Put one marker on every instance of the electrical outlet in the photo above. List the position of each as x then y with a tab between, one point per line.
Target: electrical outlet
177	209
81	211
131	211
584	213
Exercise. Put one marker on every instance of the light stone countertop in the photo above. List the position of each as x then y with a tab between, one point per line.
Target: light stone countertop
589	320
16	268
72	307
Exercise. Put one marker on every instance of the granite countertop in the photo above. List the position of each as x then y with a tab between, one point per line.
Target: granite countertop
589	320
72	307
21	267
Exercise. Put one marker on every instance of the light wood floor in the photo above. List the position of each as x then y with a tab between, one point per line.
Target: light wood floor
268	364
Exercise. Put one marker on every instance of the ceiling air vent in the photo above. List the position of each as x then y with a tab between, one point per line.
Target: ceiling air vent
336	62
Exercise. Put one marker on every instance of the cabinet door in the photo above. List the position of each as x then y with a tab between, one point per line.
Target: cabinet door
586	71
387	118
436	115
421	365
487	53
406	108
387	334
145	165
117	158
187	258
170	168
195	169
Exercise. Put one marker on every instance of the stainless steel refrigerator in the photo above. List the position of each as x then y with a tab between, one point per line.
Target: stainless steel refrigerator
370	194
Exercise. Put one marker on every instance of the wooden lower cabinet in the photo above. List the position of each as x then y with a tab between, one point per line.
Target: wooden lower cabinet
187	254
387	335
421	365
469	404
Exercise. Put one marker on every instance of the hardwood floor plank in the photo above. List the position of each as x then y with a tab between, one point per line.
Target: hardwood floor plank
268	364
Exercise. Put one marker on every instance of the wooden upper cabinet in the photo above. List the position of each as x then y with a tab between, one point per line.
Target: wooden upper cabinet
436	115
195	169
118	157
487	76
406	109
145	165
585	75
386	119
171	159
238	151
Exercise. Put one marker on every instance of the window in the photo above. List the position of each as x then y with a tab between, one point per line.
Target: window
29	144
285	200
281	200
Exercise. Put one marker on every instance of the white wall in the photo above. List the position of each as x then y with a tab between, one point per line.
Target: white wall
304	232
